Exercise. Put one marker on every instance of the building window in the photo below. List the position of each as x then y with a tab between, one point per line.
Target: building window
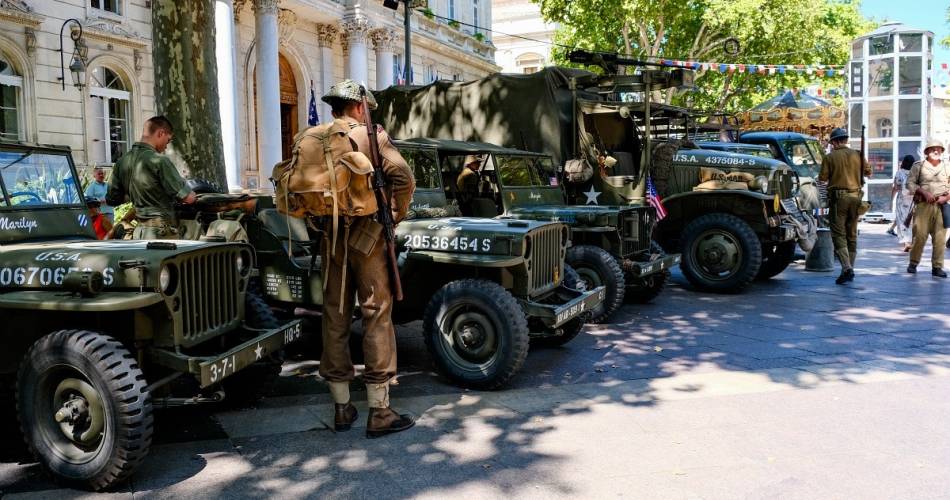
475	14
10	91
451	9
113	6
398	71
529	63
910	75
885	127
911	43
431	74
881	45
110	116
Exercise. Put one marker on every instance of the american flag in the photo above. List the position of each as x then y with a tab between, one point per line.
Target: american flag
312	118
654	200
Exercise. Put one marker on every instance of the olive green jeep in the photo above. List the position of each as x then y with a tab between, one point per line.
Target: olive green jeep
97	333
611	246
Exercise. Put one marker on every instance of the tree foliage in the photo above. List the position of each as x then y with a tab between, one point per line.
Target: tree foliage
768	31
186	84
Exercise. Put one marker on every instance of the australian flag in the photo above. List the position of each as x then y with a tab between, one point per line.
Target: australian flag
654	200
312	118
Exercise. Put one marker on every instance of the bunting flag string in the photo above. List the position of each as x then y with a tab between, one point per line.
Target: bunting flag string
821	70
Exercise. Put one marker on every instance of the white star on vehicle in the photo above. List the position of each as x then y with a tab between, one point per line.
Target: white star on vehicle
259	351
592	196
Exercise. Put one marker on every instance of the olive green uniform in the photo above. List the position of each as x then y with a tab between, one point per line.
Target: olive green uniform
843	169
928	219
350	274
152	183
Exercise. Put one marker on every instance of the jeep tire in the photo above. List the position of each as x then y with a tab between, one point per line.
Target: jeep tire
565	333
645	289
597	268
775	258
721	253
84	408
476	333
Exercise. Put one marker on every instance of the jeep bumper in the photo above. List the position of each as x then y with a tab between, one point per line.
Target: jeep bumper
655	265
574	304
211	370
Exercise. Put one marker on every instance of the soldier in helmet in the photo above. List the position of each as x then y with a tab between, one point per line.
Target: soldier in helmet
365	277
929	180
844	170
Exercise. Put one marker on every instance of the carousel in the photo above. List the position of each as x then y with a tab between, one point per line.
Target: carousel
794	112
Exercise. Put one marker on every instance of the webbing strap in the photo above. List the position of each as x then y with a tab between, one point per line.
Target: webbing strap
328	158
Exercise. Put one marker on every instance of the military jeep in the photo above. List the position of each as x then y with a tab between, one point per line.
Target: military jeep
483	288
611	245
95	332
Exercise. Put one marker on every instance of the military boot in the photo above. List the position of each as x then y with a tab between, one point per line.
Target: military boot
344	413
382	420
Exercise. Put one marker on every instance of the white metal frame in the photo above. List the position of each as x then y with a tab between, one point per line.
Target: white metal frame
120	95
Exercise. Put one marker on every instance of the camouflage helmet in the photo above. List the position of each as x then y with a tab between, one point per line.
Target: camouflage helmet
348	90
838	133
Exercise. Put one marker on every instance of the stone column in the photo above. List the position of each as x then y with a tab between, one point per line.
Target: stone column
227	89
383	42
326	33
268	87
355	30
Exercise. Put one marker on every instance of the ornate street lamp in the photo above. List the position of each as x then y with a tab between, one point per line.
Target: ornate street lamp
76	67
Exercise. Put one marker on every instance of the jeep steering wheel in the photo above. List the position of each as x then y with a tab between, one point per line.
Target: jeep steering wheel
36	200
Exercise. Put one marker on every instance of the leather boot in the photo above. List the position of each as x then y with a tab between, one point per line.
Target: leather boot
912	268
846	276
344	416
383	421
939	273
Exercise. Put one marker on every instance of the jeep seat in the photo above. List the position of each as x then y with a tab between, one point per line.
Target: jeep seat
289	230
483	207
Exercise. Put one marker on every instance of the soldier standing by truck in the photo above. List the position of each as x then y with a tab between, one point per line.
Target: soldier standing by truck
929	180
844	170
350	273
151	182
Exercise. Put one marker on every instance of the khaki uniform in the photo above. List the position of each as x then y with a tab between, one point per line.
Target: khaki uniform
843	170
467	183
152	183
928	219
364	276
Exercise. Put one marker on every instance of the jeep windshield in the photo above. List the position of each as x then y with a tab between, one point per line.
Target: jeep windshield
805	157
526	171
36	179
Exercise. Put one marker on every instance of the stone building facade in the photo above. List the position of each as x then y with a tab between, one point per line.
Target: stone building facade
522	39
270	54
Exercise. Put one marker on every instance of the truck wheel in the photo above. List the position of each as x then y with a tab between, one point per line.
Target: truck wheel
84	408
721	253
644	290
775	258
476	333
565	333
597	268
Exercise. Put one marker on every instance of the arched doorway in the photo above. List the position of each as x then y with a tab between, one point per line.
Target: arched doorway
288	105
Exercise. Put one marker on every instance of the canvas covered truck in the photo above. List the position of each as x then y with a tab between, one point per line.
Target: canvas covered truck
95	334
483	288
576	116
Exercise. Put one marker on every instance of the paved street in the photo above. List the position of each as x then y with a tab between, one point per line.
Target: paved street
796	389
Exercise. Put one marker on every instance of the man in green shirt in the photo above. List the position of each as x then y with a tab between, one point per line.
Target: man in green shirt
151	182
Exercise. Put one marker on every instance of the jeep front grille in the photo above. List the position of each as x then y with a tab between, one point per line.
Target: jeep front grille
546	258
211	298
636	226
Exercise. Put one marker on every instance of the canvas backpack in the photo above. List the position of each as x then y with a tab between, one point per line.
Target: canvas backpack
325	175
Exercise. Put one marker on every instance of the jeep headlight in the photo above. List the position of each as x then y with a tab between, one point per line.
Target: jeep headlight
243	262
167	279
239	262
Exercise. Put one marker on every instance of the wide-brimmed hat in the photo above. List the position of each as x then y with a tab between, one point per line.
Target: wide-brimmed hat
934	143
469	159
348	90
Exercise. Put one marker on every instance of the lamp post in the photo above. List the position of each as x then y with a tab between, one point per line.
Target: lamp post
408	4
76	66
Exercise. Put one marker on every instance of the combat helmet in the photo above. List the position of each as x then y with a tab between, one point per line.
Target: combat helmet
934	143
348	90
838	133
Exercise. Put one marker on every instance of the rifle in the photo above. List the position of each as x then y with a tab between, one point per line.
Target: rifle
384	214
863	153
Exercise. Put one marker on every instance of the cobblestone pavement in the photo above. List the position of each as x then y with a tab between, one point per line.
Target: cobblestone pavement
797	388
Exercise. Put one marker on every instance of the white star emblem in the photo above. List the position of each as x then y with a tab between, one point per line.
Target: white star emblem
592	196
259	351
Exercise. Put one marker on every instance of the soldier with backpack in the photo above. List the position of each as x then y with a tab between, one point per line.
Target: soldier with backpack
328	179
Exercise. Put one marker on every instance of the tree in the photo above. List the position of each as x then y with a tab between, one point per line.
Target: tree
186	84
768	31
